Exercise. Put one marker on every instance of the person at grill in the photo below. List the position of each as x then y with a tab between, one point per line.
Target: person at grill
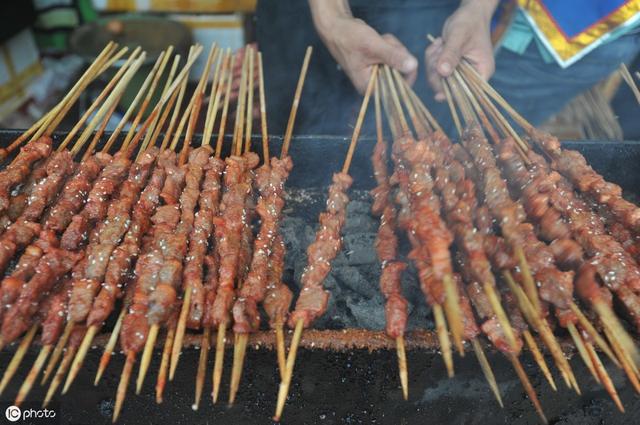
538	53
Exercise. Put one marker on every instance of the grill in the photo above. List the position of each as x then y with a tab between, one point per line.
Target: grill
347	372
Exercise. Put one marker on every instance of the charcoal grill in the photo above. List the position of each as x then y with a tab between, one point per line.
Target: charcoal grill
346	372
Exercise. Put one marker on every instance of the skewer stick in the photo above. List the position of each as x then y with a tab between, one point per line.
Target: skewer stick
263	112
99	100
196	102
288	371
157	70
400	346
453	312
146	356
280	348
57	352
452	107
59	376
164	364
219	362
155	126
539	358
527	278
443	338
296	101
88	75
79	358
541	327
486	369
617	331
165	113
176	109
17	358
402	366
604	376
527	386
214	97
56	118
250	88
240	111
582	351
98	134
122	386
163	99
24	390
626	75
471	74
586	325
239	351
202	366
396	101
420	129
108	349
295	342
115	94
132	107
501	315
625	363
225	108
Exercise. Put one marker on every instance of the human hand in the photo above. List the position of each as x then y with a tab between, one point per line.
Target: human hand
357	47
466	34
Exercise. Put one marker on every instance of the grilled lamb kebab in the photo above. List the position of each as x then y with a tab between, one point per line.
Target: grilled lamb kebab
19	169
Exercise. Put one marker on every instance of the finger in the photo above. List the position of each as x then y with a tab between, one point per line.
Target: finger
452	50
410	77
394	54
433	77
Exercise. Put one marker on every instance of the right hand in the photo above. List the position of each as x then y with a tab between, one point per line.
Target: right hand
357	47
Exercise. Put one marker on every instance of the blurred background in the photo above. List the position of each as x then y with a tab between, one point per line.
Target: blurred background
44	45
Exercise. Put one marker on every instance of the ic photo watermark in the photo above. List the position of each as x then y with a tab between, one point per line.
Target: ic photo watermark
30	415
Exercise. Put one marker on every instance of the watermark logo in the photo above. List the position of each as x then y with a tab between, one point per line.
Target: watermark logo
13	413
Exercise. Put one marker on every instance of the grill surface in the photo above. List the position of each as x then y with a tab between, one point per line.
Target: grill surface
357	385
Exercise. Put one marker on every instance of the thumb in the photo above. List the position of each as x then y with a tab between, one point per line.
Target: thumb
397	56
451	54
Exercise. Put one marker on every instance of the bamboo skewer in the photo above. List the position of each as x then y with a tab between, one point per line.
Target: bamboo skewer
57	352
202	366
157	73
537	356
236	149
296	101
108	349
624	362
17	358
400	345
62	112
486	370
528	387
250	88
33	374
99	100
89	75
240	345
582	351
214	97
92	330
297	334
164	364
225	108
441	326
604	376
155	127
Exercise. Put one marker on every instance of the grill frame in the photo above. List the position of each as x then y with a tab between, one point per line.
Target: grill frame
357	366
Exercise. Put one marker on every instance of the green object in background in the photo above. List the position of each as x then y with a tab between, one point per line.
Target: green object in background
56	20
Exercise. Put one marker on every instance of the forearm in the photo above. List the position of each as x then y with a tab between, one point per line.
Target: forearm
486	8
324	12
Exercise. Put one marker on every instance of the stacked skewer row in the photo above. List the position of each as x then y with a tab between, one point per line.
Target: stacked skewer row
506	242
